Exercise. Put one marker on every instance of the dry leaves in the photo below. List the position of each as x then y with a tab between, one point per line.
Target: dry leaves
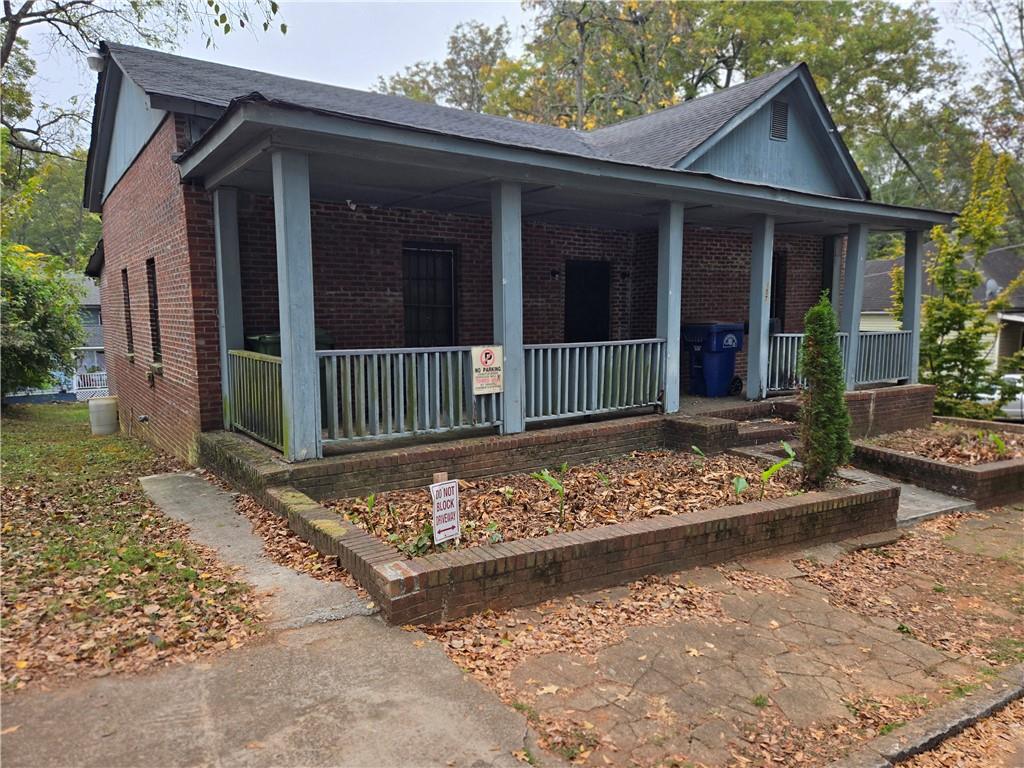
945	597
96	580
998	740
640	485
955	444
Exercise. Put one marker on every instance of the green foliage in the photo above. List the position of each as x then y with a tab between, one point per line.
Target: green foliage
760	701
824	419
956	327
739	485
770	471
39	319
605	480
556	485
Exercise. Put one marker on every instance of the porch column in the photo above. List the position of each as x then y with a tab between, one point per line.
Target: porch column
229	286
670	296
762	247
912	284
853	297
507	299
836	254
299	381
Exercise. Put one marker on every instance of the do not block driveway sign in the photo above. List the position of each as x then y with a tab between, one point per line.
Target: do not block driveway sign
444	497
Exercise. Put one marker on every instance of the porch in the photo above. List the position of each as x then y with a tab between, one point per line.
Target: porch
311	231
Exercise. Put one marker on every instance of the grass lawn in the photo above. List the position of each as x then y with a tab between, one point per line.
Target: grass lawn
95	578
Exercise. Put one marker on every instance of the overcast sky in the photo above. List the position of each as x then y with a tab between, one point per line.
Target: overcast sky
343	43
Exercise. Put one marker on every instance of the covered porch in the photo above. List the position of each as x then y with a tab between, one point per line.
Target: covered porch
309	397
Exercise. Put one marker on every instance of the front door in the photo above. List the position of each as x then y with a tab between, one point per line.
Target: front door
587	301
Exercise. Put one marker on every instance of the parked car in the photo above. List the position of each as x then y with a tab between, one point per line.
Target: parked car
1014	408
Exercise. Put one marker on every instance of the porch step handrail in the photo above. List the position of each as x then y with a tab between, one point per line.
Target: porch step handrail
255	405
91	380
394	392
579	379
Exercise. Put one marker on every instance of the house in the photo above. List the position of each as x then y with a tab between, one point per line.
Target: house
313	265
90	379
999	268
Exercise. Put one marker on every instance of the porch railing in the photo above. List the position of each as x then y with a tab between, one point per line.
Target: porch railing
93	380
565	380
369	393
882	356
255	404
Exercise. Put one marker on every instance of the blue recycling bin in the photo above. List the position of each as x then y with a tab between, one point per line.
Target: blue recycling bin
712	349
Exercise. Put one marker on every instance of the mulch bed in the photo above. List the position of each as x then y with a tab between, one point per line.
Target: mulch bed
955	444
521	506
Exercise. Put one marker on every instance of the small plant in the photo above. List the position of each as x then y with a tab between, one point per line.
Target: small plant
940	588
768	473
371	501
421	544
556	485
564	468
888	728
508	492
903	629
702	456
605	480
760	701
494	535
998	442
824	419
739	485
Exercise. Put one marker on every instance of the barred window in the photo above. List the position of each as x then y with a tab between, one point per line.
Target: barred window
154	311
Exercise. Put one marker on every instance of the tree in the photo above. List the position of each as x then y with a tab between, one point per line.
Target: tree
824	419
955	325
78	26
39	319
462	79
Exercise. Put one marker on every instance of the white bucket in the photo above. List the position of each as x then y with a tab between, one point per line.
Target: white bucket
103	415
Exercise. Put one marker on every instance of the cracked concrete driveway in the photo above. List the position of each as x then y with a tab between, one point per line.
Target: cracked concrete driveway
325	686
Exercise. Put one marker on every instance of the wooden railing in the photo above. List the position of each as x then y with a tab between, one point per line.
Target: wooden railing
368	393
565	380
882	356
255	402
94	380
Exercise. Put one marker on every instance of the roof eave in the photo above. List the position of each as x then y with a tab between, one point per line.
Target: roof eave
281	115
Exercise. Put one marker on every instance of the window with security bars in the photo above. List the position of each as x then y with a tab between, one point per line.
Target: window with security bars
428	288
780	121
127	301
154	311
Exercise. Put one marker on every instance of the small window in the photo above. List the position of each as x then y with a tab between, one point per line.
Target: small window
154	311
428	288
780	120
126	298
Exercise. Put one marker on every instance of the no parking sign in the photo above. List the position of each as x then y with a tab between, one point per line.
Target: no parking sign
488	365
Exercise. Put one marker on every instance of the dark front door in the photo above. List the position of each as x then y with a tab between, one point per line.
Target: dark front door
777	312
428	287
587	301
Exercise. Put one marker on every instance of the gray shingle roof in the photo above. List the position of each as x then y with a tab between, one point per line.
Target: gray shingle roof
659	139
664	137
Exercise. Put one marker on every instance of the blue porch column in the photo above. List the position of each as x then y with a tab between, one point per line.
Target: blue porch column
762	247
229	286
507	299
299	380
670	296
853	297
913	278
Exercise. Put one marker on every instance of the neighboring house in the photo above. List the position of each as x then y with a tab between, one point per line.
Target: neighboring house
999	268
90	379
311	264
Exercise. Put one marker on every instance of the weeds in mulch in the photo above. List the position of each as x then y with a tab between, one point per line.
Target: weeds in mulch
955	444
521	506
95	578
977	612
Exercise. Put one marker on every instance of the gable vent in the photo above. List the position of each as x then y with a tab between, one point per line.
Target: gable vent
780	121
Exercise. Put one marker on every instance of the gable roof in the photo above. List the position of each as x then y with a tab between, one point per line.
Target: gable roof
658	140
1000	266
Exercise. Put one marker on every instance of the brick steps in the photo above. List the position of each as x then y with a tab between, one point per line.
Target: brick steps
760	433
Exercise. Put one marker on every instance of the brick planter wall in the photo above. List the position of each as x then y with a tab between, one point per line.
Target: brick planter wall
453	584
890	409
987	485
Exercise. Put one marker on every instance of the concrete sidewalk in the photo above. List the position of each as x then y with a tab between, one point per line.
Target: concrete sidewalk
339	689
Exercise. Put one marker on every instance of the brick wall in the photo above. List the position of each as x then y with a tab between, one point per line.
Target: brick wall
145	217
890	409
